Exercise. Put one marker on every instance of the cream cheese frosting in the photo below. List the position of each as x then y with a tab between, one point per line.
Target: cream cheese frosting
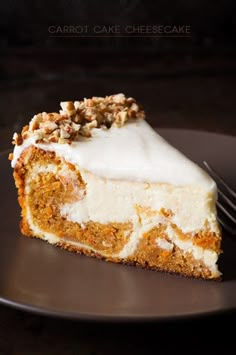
133	152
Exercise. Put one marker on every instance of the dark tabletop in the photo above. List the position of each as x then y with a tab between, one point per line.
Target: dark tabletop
201	102
23	333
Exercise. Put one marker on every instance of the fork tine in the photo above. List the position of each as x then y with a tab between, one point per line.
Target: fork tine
232	218
230	203
226	226
219	178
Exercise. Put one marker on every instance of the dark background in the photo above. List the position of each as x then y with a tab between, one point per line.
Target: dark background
182	82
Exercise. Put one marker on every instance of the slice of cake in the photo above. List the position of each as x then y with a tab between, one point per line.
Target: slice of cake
95	178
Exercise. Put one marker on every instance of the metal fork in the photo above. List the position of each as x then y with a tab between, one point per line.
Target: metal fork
226	203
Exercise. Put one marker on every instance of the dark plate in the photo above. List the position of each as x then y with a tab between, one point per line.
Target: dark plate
38	277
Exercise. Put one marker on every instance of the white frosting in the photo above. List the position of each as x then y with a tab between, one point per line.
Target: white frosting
134	152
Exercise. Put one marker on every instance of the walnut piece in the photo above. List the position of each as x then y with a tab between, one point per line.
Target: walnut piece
79	118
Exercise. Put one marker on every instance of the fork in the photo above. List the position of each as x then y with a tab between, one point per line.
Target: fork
227	204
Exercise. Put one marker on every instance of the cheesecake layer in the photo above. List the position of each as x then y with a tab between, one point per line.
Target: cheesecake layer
71	207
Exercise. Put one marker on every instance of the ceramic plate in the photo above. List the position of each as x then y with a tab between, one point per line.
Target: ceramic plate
38	277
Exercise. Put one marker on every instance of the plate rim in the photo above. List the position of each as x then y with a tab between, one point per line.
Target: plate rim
42	311
29	308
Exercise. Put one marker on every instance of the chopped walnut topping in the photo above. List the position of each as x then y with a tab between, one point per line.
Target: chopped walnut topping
78	118
17	139
10	156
